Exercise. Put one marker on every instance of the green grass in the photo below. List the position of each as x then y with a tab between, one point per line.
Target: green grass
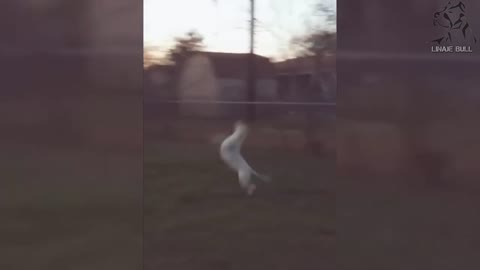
196	216
65	209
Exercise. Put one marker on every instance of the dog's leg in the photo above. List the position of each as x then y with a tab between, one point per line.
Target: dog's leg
244	179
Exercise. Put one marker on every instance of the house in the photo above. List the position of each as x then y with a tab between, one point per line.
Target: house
159	82
213	76
307	79
159	86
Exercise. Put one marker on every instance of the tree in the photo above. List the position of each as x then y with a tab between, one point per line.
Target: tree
319	40
317	43
321	36
328	14
191	42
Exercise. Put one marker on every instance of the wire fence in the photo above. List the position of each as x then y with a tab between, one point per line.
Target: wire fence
278	124
186	101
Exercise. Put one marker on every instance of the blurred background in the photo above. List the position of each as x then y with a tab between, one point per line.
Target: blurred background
218	62
94	107
407	142
71	134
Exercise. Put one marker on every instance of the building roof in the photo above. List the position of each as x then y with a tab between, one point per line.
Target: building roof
159	74
161	68
235	65
306	64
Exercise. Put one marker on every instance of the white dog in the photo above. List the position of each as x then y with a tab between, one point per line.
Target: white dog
230	152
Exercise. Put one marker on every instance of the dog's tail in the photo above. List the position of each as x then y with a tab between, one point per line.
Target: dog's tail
262	177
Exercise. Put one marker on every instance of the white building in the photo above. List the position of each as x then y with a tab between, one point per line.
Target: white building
209	76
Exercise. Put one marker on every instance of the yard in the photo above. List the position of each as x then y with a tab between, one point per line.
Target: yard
196	217
66	209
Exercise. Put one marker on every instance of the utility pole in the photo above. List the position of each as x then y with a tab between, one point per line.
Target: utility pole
251	77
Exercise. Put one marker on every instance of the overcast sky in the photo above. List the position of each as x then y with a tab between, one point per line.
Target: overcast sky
224	24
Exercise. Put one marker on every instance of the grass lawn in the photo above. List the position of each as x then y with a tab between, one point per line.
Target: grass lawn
64	209
196	216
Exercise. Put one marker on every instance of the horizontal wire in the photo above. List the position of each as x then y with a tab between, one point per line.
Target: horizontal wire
341	55
323	104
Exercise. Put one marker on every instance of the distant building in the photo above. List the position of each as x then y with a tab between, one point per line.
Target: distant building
159	82
307	79
212	76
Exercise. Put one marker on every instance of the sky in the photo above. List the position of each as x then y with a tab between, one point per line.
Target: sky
224	23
